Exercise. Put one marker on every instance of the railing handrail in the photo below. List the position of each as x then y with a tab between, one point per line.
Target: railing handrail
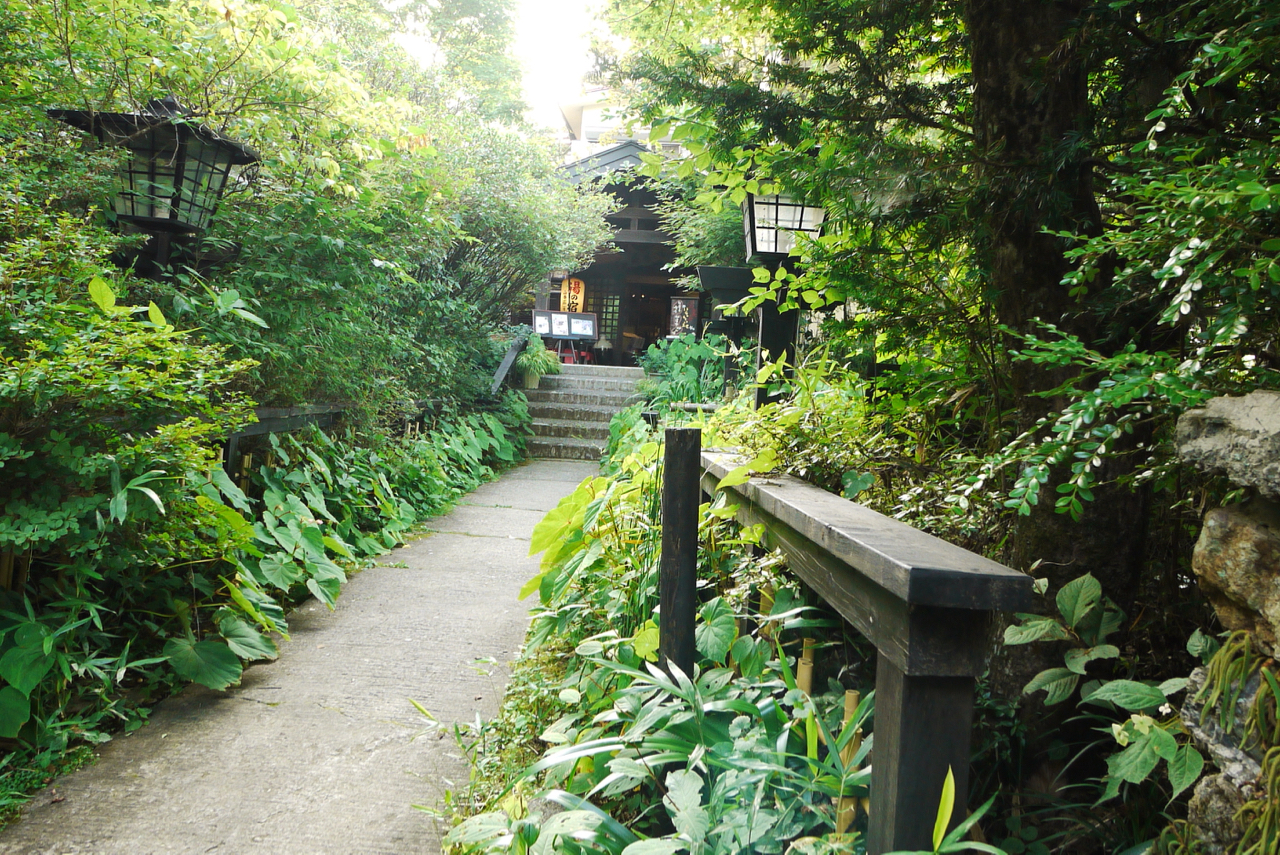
926	605
910	564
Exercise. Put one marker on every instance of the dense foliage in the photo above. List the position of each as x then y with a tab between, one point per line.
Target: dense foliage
1066	208
370	261
1051	230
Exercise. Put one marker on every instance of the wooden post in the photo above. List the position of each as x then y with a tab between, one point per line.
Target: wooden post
6	570
777	331
922	728
678	573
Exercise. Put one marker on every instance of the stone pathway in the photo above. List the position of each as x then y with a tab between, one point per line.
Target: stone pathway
316	752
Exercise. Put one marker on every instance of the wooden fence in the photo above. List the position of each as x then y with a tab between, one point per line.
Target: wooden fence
926	605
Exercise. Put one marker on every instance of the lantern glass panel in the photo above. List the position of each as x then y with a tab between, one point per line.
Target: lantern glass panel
205	172
149	175
772	222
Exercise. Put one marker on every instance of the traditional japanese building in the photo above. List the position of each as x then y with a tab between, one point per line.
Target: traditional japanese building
627	285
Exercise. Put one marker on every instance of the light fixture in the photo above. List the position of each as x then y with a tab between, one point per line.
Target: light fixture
771	223
177	168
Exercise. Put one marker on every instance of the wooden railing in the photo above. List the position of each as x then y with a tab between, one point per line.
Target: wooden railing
279	420
926	605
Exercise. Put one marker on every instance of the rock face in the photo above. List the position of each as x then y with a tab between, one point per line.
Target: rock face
1212	812
1236	437
1225	747
1237	562
1217	798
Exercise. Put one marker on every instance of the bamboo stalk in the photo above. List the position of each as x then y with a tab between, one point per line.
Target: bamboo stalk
847	808
766	606
804	668
246	466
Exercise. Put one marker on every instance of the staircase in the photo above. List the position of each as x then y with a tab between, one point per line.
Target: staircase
571	410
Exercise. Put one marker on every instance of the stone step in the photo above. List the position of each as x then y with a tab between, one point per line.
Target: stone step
602	371
562	448
587	382
570	428
589	398
574	412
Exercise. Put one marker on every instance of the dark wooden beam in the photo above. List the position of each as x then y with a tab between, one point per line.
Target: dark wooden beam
910	564
678	570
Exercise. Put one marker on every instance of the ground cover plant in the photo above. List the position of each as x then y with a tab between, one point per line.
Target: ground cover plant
690	369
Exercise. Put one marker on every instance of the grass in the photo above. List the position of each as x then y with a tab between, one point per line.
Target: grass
499	750
19	783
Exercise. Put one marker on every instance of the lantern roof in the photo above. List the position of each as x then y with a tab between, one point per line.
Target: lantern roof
157	112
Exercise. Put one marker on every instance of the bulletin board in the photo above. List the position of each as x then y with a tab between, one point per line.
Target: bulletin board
576	326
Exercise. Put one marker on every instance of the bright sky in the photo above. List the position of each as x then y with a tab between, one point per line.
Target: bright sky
552	37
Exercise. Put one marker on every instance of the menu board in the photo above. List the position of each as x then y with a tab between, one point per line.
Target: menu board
580	326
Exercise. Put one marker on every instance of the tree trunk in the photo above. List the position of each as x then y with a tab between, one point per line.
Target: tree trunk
1032	122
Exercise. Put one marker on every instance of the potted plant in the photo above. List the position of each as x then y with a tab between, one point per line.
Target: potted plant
535	360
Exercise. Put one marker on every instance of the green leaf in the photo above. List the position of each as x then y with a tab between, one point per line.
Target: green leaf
250	317
532	585
1136	762
228	488
1128	694
102	295
737	476
946	805
684	803
155	315
15	710
245	641
1058	684
1184	768
479	829
1080	657
645	642
1077	598
337	545
1203	646
281	570
23	667
1035	628
550	530
853	483
325	590
208	663
715	634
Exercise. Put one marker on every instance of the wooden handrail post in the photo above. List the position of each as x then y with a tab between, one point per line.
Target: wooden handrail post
678	571
922	728
925	604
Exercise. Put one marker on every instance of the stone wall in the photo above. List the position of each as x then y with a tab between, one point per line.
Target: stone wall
1237	564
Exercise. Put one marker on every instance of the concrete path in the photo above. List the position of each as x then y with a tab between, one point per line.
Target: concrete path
316	752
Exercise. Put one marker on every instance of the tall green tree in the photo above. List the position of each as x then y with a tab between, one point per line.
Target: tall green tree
986	166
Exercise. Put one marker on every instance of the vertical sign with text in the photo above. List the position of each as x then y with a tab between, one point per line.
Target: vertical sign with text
572	295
